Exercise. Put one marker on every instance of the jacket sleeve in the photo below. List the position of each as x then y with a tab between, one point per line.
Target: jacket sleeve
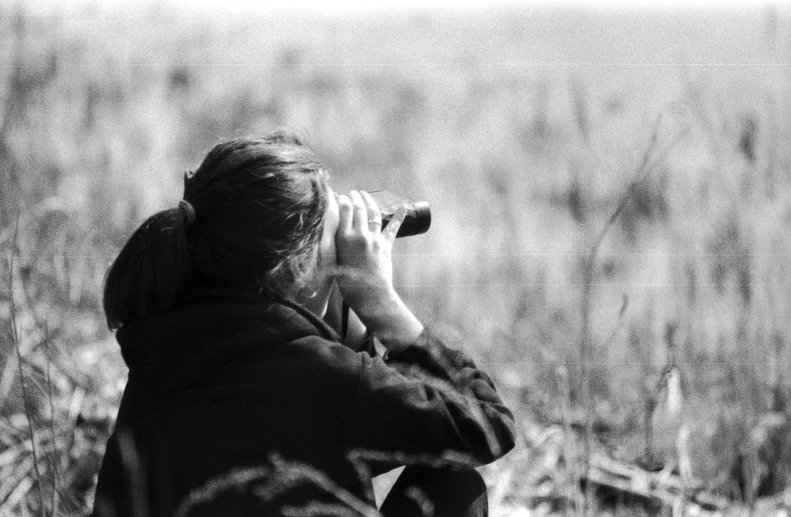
429	399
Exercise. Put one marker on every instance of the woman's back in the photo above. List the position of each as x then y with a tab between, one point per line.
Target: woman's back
222	385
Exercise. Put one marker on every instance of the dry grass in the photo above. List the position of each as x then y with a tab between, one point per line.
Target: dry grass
524	166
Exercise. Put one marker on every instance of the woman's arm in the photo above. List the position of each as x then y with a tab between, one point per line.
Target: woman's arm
424	397
429	399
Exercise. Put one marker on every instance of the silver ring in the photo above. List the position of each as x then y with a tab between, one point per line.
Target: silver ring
374	221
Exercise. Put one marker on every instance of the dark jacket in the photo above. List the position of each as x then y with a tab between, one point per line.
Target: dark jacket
227	379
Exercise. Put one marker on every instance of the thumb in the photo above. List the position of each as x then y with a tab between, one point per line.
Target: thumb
395	223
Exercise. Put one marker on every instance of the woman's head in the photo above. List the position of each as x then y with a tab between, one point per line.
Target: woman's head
259	210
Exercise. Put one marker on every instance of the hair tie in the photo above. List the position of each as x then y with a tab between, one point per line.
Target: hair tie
188	209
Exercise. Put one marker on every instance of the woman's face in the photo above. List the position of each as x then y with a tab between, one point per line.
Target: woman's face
327	257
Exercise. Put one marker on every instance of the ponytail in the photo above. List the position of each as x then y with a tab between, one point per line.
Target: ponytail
148	273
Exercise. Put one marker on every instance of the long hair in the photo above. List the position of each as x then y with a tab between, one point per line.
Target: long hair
259	210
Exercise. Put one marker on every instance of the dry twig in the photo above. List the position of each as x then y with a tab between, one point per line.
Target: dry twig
53	463
15	341
650	158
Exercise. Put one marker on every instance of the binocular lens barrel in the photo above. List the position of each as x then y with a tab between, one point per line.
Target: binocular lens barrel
418	217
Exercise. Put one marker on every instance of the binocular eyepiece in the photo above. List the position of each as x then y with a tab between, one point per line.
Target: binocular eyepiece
418	216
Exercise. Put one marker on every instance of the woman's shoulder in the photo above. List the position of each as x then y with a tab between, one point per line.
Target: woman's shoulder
200	342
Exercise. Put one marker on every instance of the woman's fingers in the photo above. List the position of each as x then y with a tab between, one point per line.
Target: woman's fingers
359	212
360	221
345	213
395	223
374	214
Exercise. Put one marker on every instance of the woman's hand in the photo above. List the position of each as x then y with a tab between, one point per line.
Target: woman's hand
364	273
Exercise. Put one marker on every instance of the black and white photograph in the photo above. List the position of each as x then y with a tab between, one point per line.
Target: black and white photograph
407	258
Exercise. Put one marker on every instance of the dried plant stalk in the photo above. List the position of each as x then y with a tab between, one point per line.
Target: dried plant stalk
15	341
646	167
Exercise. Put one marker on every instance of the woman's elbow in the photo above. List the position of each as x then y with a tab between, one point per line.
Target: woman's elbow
505	440
499	439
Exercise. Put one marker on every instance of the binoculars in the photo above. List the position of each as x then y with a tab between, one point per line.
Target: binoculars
418	216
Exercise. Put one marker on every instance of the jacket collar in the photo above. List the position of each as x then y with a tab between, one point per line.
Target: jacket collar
210	326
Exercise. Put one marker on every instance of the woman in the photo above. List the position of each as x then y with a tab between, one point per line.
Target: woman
218	306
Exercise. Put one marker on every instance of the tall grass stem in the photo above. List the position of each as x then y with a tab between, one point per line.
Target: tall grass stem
15	341
650	157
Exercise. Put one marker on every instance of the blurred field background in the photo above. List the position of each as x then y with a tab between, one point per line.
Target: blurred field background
665	345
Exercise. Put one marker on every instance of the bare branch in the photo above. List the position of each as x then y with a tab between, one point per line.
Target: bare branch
15	341
651	157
